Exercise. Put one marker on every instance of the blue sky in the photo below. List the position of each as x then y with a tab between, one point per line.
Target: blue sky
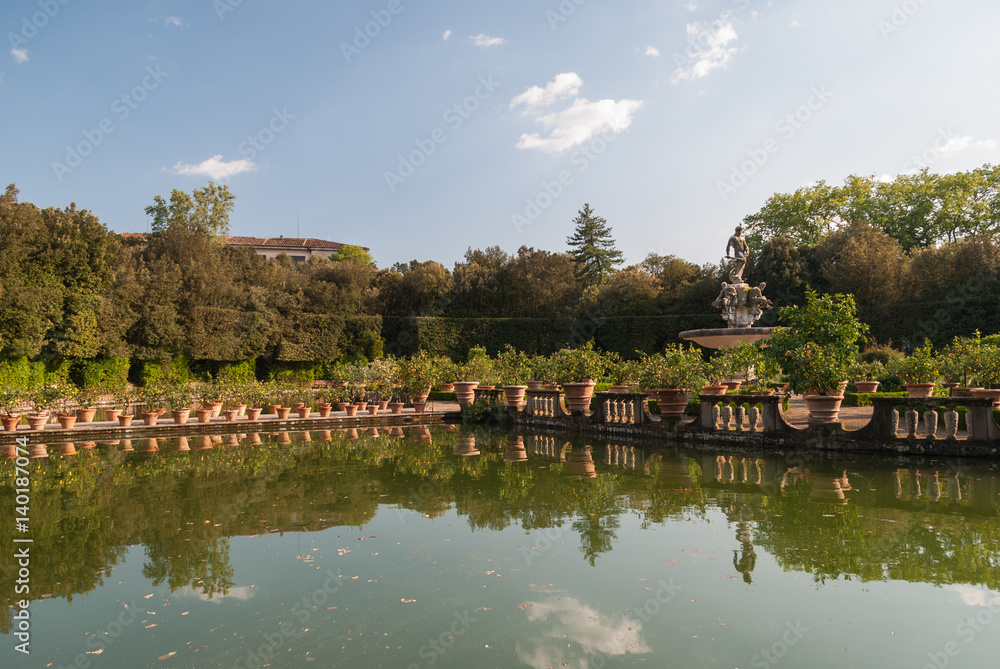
422	128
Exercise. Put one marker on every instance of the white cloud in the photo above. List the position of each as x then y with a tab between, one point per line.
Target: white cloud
973	596
564	85
215	168
581	122
485	40
964	143
447	34
20	55
174	21
794	22
691	6
707	49
241	593
652	51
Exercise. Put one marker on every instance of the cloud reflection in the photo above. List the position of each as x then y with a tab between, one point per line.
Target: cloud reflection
576	632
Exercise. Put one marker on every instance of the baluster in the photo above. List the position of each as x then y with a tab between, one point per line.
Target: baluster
930	423
630	411
912	417
727	417
894	422
740	417
951	424
754	415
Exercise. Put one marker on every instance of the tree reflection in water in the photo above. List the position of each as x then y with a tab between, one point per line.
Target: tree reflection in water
931	522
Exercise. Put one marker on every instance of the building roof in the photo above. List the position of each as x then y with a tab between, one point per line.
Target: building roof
310	243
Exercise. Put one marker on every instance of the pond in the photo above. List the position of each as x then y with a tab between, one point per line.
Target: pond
450	547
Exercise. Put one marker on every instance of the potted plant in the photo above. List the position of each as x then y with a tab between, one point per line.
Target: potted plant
815	346
66	399
578	370
919	371
210	395
87	400
672	374
178	398
417	375
10	402
41	399
124	396
512	366
448	373
988	374
716	371
621	374
866	375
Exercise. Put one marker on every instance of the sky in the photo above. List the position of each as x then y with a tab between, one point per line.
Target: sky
422	128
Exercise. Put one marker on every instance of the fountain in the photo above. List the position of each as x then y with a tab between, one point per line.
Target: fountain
741	304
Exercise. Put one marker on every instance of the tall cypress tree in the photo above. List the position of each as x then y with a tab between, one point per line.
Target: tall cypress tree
593	248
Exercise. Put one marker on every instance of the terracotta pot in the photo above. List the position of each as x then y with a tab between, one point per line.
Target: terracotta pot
253	413
535	385
866	386
37	421
578	395
988	392
618	389
343	405
66	420
125	420
181	415
422	395
230	414
373	410
10	423
112	414
303	411
919	389
351	409
361	405
272	408
86	415
216	408
732	385
159	412
282	412
150	417
241	409
298	405
515	450
383	405
714	390
395	407
823	408
514	395
465	391
324	410
419	407
446	387
68	448
672	401
465	445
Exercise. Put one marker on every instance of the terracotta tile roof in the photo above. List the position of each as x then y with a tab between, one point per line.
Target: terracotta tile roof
310	243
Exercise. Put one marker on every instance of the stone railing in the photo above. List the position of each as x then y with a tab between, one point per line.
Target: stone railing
921	419
740	413
544	404
622	408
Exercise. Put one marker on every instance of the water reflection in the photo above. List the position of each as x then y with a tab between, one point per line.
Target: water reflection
574	634
932	522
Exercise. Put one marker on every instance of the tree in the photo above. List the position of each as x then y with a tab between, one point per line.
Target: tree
593	248
205	211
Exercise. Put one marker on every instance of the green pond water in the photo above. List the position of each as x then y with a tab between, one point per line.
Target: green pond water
465	548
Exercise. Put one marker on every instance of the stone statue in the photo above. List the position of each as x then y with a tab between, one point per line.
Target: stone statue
758	303
741	251
726	299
